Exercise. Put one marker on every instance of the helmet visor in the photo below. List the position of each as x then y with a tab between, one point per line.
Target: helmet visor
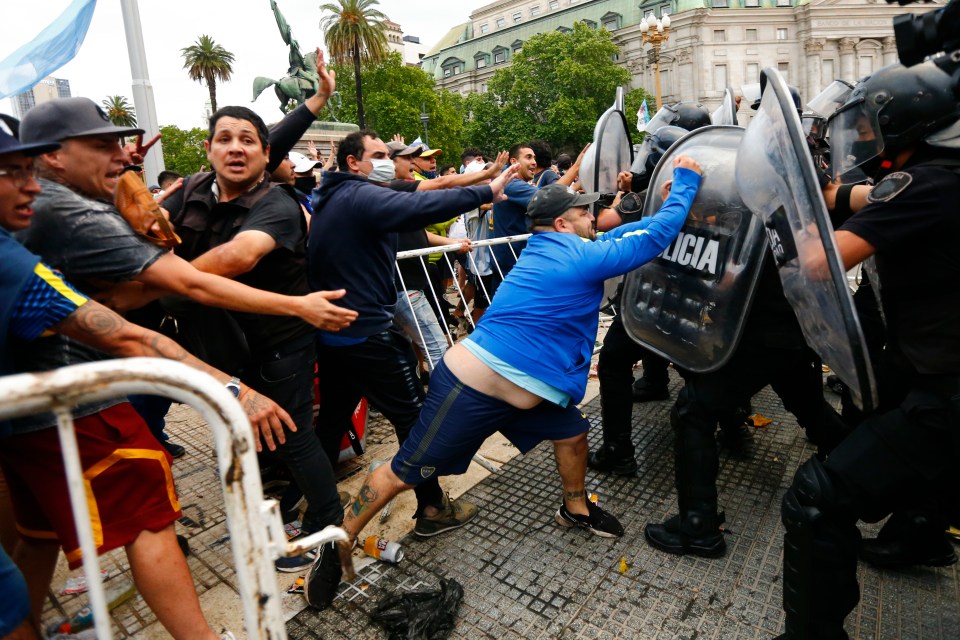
830	99
665	116
854	137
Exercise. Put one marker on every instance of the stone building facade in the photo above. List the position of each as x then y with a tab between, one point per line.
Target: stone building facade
712	43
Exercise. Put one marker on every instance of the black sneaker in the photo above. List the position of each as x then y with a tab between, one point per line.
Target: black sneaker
599	522
174	449
321	582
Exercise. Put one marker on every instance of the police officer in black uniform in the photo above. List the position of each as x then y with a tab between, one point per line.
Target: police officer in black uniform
772	350
901	125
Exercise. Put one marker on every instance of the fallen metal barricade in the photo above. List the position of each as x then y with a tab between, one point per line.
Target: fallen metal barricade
256	530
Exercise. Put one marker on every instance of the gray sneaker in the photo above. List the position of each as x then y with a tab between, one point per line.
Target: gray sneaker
454	515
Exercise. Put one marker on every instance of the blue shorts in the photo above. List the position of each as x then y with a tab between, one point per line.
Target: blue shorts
456	419
16	602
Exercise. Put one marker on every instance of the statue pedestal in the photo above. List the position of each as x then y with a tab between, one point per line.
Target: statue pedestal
323	135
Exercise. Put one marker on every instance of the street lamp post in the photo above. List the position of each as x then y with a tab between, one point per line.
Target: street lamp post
425	119
655	32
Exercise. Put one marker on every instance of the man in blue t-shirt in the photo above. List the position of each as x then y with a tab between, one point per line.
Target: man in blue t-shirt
524	369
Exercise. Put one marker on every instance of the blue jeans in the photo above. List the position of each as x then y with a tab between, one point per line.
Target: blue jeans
417	320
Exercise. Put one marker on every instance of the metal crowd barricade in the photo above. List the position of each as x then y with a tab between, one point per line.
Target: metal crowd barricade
256	530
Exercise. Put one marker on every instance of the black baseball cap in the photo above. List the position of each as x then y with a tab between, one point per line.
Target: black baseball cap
554	200
69	118
10	143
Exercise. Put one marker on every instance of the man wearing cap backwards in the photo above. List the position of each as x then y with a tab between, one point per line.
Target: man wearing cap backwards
524	368
35	300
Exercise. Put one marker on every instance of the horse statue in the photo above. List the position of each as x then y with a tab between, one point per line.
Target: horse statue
301	80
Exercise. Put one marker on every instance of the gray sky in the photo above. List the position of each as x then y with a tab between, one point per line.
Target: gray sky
244	27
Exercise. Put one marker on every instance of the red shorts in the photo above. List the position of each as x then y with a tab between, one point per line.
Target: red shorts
126	471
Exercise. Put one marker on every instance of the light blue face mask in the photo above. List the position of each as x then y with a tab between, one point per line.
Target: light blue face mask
383	170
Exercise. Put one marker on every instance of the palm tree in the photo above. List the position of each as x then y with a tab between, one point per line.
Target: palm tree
354	29
119	111
207	61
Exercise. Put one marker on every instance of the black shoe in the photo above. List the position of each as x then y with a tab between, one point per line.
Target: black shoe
599	522
898	554
173	449
697	535
321	582
646	391
735	437
606	461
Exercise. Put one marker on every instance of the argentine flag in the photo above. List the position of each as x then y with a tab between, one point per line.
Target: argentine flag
53	47
643	115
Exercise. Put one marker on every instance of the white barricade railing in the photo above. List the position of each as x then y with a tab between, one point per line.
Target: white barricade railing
256	530
478	247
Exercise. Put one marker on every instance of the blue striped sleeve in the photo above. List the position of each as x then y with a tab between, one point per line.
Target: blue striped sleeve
44	301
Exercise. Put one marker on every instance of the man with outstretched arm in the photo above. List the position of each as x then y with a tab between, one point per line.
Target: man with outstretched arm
524	368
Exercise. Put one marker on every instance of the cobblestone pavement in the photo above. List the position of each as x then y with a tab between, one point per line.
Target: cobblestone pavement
526	577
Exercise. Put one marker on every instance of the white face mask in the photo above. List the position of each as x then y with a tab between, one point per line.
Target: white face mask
383	170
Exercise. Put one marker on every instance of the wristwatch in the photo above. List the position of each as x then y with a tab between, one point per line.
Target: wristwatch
234	386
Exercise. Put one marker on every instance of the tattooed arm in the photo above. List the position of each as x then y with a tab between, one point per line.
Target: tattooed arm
97	326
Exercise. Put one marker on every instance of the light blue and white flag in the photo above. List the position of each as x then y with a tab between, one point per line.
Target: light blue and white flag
643	115
53	47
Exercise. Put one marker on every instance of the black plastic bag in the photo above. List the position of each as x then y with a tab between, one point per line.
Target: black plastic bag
420	615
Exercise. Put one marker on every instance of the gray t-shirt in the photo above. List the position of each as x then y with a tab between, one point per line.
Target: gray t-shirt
94	248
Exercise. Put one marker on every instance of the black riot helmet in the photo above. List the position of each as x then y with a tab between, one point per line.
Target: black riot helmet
688	115
893	109
650	152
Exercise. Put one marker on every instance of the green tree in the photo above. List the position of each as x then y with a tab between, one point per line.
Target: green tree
395	97
556	88
119	111
355	30
183	150
208	62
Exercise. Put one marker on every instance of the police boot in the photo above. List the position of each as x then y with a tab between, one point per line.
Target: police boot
819	556
614	458
693	531
908	539
646	390
735	435
696	528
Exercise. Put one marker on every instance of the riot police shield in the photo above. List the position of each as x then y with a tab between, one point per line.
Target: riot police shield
689	304
611	151
776	178
726	113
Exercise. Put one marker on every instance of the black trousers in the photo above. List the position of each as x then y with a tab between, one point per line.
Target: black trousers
894	461
615	372
287	379
795	375
382	369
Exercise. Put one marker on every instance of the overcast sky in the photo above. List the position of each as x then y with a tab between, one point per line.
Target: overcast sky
244	27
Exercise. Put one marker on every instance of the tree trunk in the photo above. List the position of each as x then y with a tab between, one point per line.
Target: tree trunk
212	88
356	71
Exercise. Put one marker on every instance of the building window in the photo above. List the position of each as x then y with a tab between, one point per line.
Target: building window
720	4
501	23
751	3
719	77
590	23
554	4
611	21
564	29
826	72
782	33
483	88
784	69
499	56
447	72
481	63
751	35
611	25
615	57
517	46
784	3
453	67
664	10
719	35
753	73
517	17
535	11
484	28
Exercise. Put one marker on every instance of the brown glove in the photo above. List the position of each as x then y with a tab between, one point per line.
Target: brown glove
137	206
